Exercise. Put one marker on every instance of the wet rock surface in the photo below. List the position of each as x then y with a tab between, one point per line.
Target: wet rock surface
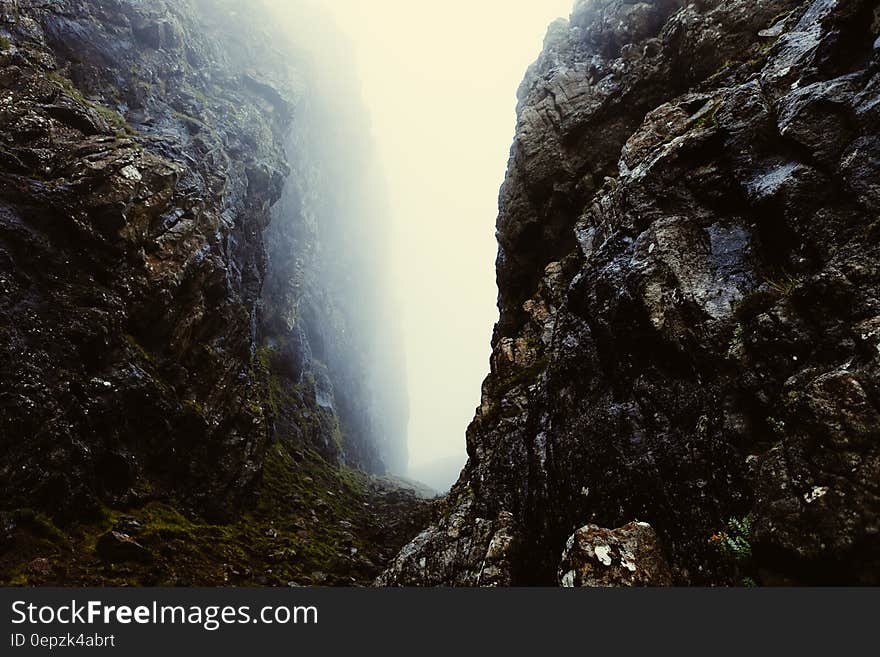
688	288
168	323
115	546
136	182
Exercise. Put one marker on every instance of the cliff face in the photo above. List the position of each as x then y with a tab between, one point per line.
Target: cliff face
174	268
690	312
327	322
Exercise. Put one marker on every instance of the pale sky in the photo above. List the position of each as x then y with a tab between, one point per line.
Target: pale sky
439	80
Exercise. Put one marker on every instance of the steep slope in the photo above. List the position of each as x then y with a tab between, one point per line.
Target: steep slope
690	312
177	273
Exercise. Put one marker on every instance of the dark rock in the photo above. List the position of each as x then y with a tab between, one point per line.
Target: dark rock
40	566
688	287
118	547
163	311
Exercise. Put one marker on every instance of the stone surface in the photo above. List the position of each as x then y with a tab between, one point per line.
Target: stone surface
119	547
689	294
163	316
629	556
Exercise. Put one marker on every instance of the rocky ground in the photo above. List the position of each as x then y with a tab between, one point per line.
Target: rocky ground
690	307
311	524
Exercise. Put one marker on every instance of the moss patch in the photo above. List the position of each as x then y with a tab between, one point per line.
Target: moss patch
311	523
112	117
523	376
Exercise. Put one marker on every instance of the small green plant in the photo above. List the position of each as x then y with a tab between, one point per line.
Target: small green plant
734	543
5	44
784	285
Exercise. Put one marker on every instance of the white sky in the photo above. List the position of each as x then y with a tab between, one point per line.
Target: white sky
439	80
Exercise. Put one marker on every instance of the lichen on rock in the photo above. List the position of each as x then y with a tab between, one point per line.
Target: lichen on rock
628	556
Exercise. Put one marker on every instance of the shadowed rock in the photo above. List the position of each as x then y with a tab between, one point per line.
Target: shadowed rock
688	289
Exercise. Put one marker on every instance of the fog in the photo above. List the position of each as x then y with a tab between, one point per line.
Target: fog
439	83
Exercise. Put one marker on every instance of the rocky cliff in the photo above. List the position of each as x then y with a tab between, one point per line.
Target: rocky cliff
689	340
179	338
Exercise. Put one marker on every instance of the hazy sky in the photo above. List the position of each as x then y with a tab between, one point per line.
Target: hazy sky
439	80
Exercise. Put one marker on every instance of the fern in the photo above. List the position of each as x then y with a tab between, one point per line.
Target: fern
735	541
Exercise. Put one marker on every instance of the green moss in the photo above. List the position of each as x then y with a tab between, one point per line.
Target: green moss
523	376
164	522
197	94
5	44
710	118
264	355
725	67
779	17
39	524
278	394
19	580
67	86
195	406
112	117
186	118
308	515
305	514
759	58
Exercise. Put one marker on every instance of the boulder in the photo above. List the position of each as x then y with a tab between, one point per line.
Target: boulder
628	556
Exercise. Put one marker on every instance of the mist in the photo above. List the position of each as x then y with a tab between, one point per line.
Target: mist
441	100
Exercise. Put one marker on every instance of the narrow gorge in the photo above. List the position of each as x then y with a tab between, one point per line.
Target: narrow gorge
202	377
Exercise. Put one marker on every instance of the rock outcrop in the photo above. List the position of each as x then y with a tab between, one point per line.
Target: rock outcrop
629	556
175	269
689	296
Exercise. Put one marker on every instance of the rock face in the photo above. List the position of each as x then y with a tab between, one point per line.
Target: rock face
167	311
690	312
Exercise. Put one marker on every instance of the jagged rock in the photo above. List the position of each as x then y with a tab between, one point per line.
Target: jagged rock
125	353
118	547
166	315
470	552
700	180
629	556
